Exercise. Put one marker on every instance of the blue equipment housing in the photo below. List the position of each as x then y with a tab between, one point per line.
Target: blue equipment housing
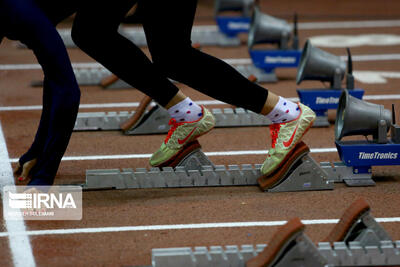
320	100
231	26
270	59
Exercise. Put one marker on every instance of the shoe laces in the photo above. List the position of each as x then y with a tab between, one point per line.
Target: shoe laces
274	130
174	124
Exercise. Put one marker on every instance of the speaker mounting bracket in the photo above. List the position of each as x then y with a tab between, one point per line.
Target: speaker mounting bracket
358	157
320	100
381	136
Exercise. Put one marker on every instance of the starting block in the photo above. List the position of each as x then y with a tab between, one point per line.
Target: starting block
290	246
192	168
100	76
299	172
204	35
357	224
92	76
155	120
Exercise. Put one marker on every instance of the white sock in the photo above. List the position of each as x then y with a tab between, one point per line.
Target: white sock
186	111
284	111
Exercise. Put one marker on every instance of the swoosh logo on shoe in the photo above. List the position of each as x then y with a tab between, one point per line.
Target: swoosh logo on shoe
181	141
289	142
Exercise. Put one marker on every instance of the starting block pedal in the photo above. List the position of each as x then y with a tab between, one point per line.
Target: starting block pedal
288	247
300	172
357	224
192	168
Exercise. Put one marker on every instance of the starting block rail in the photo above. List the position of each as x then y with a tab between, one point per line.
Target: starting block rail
168	177
202	35
196	170
94	76
387	253
346	245
157	120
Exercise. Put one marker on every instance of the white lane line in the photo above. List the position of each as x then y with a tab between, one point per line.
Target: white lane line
379	57
38	67
177	227
20	245
104	105
381	97
327	25
209	154
348	24
232	61
200	102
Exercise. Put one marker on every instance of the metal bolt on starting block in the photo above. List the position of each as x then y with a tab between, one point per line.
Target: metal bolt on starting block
339	172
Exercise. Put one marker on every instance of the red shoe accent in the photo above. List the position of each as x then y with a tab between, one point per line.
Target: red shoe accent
274	130
187	137
288	143
175	125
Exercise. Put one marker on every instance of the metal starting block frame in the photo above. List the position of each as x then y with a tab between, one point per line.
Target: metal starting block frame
156	120
94	76
367	231
320	100
358	157
266	61
203	35
303	253
366	244
196	170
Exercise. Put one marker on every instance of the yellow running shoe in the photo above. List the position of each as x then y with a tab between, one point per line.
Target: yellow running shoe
285	136
180	134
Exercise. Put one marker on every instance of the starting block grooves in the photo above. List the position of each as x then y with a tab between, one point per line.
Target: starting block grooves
226	117
95	75
245	174
205	36
387	253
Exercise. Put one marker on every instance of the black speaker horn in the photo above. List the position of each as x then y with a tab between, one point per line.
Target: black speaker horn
358	117
268	29
317	64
